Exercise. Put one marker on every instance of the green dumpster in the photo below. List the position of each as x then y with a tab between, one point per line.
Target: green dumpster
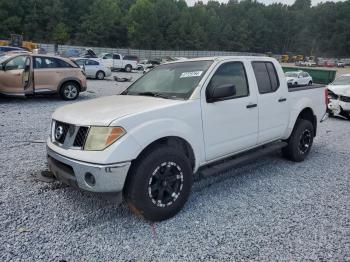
319	76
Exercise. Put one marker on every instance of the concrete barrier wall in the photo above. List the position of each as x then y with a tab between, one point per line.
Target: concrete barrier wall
146	54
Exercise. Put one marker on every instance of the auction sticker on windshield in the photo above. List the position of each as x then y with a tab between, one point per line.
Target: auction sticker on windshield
191	74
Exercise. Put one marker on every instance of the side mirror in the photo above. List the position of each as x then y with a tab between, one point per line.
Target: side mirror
222	92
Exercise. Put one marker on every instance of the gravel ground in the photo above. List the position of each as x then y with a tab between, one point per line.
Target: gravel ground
270	210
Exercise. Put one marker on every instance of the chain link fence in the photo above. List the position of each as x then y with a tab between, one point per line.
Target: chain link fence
145	54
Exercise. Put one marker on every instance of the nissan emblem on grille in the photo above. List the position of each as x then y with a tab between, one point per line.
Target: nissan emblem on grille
58	132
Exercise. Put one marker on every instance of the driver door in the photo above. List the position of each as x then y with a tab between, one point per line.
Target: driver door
16	76
230	125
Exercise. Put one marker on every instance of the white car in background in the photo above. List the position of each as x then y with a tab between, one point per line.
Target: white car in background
119	61
339	96
298	78
94	68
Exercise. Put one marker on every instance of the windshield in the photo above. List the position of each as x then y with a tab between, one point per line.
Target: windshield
291	74
176	80
342	80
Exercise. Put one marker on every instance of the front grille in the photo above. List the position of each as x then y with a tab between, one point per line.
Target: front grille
345	99
80	138
65	127
69	136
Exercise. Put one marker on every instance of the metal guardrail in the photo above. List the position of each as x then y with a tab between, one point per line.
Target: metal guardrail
147	54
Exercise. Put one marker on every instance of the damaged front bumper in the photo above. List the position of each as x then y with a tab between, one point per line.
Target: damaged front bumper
88	176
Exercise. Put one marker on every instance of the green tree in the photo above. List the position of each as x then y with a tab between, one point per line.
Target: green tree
101	26
60	33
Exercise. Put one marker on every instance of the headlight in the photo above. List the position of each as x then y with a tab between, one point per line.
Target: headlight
101	137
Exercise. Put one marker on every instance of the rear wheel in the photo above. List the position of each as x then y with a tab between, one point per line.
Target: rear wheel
69	91
159	183
100	75
128	68
310	83
300	141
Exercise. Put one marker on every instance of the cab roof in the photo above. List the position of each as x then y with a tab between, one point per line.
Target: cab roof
223	58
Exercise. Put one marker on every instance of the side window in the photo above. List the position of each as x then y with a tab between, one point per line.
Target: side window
92	62
231	73
16	63
44	62
80	62
266	77
107	56
275	84
60	63
116	57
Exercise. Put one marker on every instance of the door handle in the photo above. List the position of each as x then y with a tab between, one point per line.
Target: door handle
282	99
252	105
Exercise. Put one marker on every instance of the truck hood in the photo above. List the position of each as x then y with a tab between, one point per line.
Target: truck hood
342	90
103	111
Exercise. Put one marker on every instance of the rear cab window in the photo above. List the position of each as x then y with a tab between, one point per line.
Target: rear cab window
266	76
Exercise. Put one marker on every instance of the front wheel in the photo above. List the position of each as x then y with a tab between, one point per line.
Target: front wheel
310	83
69	91
159	183
300	141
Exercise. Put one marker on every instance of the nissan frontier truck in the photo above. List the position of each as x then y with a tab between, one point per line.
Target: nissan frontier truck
180	120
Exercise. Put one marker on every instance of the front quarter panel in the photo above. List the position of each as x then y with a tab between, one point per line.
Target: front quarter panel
181	120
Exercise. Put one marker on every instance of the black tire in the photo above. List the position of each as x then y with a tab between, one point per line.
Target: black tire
69	91
128	68
300	141
100	75
310	83
150	175
330	113
296	84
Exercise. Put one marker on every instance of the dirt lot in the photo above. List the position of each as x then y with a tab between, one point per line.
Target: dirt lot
269	210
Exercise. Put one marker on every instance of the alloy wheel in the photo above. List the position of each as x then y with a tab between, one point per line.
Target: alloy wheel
165	184
70	91
305	141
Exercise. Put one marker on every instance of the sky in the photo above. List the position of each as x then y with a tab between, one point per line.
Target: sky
314	2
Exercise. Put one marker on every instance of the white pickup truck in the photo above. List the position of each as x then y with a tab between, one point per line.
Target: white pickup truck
180	120
119	62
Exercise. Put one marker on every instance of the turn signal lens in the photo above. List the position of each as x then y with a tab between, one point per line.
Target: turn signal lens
100	137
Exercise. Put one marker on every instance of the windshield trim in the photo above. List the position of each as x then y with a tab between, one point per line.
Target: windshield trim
187	95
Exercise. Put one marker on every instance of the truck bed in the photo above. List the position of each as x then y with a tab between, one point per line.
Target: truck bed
299	88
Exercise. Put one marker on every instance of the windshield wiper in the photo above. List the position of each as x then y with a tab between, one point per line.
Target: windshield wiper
154	94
